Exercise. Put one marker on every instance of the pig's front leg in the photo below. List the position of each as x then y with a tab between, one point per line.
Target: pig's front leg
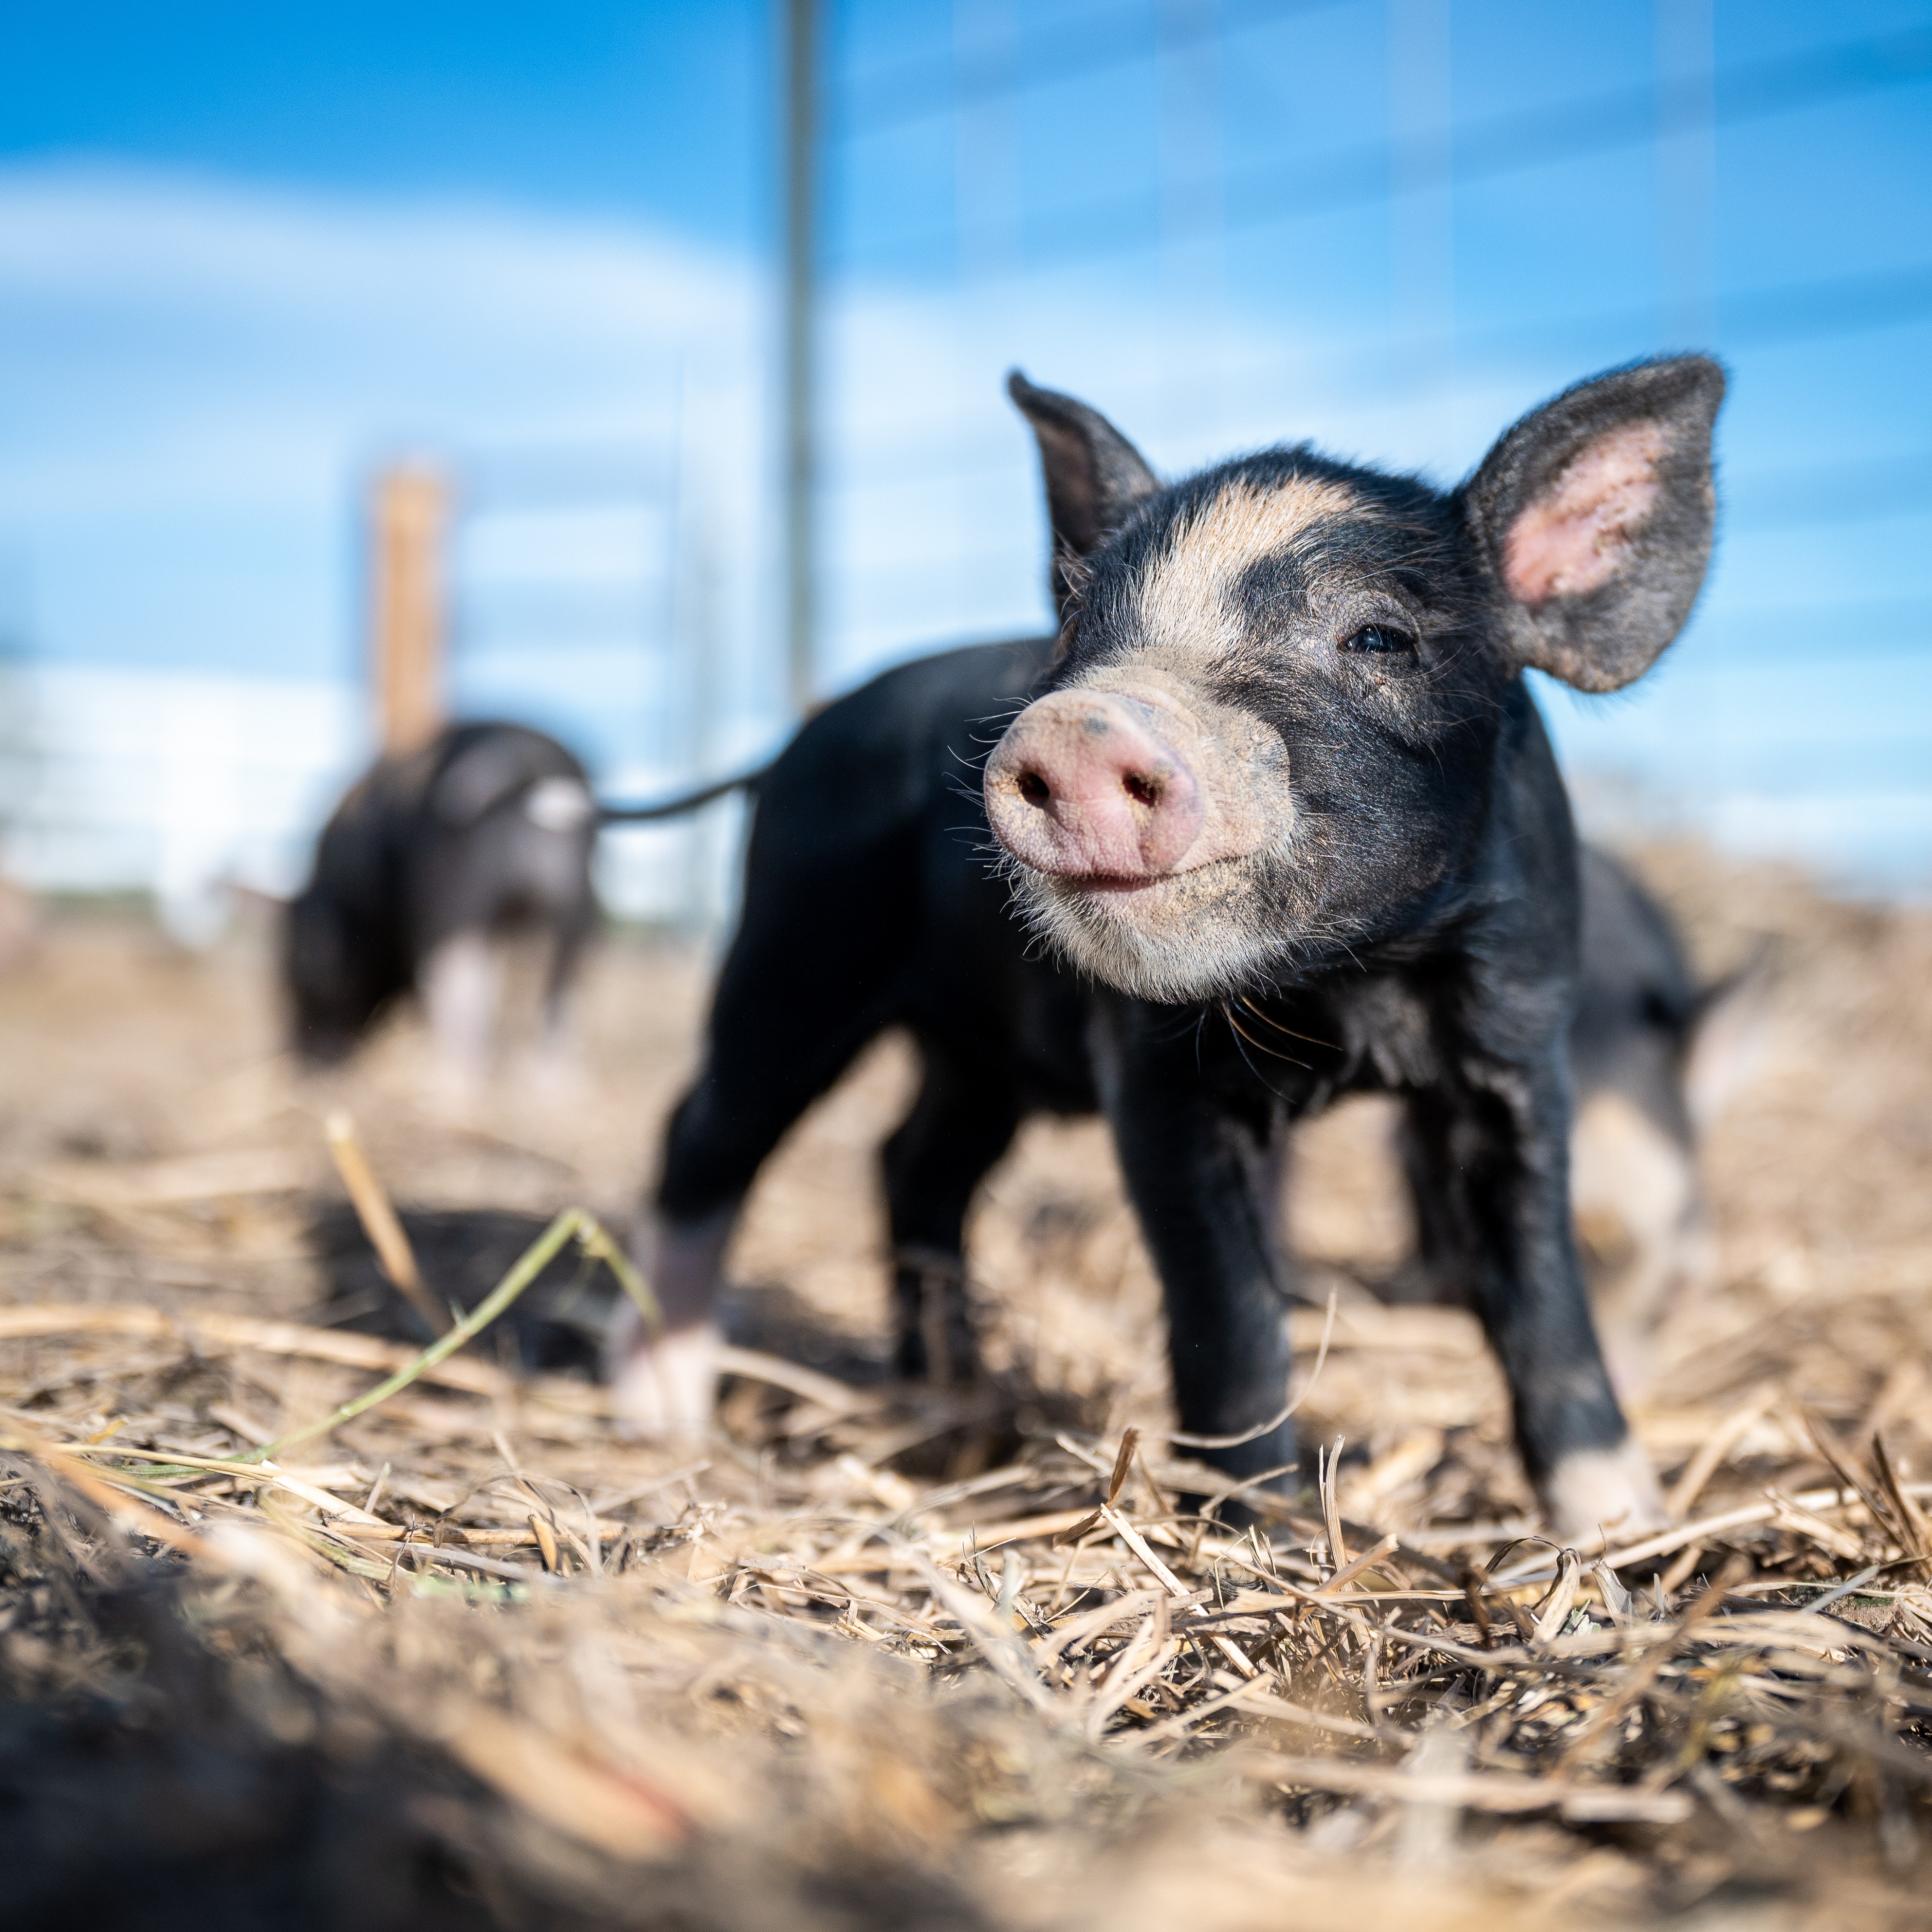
1201	1161
1492	1149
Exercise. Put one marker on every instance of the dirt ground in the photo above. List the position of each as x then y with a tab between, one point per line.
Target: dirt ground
889	1762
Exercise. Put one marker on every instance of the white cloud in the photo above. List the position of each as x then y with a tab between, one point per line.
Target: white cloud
192	338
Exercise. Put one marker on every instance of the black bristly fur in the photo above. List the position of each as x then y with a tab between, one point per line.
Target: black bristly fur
1415	931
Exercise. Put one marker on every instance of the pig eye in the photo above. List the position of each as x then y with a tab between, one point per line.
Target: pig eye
1379	637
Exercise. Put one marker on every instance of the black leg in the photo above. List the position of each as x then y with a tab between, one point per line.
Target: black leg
812	975
1200	1156
1439	1275
962	1122
742	1101
1490	1156
810	978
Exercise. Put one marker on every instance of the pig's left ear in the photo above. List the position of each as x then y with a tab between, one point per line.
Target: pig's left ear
1594	515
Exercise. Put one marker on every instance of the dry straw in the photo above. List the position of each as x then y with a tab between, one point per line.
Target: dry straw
1000	1657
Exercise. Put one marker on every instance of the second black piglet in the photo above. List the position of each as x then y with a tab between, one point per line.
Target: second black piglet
432	860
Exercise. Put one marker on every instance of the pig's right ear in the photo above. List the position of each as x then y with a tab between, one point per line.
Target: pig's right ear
1595	516
1095	477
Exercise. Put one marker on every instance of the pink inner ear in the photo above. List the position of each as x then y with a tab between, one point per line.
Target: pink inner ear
1575	536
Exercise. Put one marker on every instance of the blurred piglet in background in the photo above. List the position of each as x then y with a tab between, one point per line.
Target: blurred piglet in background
432	865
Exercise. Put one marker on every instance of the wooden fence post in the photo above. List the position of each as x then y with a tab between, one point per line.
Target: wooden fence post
410	516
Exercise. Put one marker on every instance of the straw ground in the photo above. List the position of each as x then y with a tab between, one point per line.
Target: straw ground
870	1657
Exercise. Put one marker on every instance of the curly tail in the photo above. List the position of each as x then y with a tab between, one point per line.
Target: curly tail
684	802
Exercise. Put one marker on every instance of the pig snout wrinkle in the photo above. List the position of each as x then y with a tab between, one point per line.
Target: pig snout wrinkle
1080	788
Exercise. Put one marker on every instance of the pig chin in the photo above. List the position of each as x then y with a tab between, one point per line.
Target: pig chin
1193	935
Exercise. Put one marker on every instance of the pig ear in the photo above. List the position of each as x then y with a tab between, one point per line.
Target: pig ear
1095	477
1594	515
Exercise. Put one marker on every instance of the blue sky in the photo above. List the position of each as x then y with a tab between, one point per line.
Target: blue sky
245	251
638	110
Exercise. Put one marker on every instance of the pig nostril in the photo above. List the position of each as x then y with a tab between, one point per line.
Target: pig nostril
1034	789
1141	789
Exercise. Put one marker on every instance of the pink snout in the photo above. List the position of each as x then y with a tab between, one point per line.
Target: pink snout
1083	786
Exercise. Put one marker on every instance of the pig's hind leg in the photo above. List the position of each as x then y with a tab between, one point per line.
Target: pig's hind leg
810	978
961	1122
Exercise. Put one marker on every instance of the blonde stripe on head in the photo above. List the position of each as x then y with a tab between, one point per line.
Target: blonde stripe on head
1186	594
